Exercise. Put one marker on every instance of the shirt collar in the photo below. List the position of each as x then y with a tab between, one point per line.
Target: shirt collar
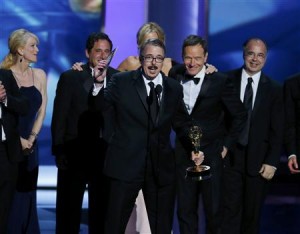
255	77
157	80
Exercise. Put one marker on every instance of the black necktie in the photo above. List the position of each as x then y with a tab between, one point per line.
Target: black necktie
248	97
195	79
152	102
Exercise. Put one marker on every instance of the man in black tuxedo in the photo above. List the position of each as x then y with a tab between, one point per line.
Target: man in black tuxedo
140	154
292	117
78	138
12	104
255	158
209	100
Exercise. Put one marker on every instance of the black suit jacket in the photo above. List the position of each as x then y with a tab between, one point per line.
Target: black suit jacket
77	119
216	100
292	115
127	152
267	123
16	105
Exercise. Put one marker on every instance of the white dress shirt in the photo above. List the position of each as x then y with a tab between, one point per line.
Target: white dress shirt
157	81
192	90
96	89
244	82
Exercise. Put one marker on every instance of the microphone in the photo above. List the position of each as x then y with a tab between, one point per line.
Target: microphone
158	90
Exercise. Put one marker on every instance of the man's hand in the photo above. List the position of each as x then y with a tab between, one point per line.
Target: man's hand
267	171
27	146
77	66
210	68
100	68
2	92
293	165
224	152
61	162
197	157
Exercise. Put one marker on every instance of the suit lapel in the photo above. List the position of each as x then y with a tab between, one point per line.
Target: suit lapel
87	77
164	99
180	79
237	81
262	90
140	88
205	85
204	88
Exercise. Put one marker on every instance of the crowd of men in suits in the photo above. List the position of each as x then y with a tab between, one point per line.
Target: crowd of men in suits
109	134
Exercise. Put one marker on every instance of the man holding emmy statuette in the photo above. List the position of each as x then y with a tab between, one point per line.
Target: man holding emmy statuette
210	100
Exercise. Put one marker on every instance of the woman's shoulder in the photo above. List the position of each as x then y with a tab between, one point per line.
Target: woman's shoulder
168	64
39	72
39	75
130	63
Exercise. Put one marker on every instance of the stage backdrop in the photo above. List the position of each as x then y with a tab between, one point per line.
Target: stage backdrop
231	22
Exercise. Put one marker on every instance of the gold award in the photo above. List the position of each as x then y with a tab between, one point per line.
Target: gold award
197	172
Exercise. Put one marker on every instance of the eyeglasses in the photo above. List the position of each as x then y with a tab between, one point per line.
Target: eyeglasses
252	55
149	58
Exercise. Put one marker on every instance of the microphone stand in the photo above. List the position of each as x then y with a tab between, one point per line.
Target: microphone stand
158	90
149	100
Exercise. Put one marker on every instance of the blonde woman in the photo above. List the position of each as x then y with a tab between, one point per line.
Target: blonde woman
147	31
32	82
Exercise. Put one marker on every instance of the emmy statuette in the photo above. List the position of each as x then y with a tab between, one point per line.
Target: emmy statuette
197	172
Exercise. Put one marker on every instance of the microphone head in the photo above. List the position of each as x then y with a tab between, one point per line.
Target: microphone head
158	89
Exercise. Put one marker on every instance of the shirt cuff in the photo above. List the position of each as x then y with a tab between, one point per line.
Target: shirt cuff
292	155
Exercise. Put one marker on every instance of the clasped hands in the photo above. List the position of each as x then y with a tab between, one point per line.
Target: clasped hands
27	145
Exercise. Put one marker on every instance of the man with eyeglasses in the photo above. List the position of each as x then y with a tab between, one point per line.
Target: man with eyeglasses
252	164
144	105
209	99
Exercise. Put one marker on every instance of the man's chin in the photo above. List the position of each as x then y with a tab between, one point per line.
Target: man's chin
152	75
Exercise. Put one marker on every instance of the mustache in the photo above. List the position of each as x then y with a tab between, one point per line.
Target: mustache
152	67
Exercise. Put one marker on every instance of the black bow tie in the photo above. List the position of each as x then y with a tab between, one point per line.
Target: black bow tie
195	79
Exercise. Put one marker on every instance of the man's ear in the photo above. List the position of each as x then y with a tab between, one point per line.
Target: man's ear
87	54
141	59
206	56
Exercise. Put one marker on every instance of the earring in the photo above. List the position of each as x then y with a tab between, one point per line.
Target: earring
21	60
